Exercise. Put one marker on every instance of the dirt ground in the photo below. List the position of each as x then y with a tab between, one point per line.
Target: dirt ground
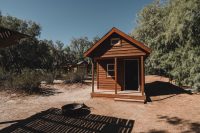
169	113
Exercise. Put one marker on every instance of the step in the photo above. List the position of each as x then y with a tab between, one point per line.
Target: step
128	100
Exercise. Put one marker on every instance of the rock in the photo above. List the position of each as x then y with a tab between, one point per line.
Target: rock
11	101
13	95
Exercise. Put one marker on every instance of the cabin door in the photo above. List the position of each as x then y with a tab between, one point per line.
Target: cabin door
131	75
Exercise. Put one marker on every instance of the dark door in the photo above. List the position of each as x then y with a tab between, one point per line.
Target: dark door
131	75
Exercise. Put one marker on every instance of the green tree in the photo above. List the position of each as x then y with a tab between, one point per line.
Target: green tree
171	29
78	46
16	57
30	52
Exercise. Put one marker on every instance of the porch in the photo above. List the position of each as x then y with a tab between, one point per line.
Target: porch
120	94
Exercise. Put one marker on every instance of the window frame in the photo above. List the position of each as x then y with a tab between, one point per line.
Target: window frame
120	42
111	70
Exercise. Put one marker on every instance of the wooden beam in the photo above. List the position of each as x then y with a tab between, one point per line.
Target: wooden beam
97	74
142	75
123	55
92	76
144	70
115	75
118	57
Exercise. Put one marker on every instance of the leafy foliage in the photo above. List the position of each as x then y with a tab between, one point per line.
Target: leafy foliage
79	46
25	65
28	81
171	29
39	54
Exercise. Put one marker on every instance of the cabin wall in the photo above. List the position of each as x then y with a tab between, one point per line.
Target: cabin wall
108	83
105	82
126	49
106	53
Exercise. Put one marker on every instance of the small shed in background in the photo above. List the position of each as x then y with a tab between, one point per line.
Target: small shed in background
82	67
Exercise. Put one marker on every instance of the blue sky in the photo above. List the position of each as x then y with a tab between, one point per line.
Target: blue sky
64	19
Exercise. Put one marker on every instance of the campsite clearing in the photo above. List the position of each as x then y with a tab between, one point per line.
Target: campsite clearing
168	113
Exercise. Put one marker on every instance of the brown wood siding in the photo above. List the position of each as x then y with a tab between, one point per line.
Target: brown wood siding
104	81
114	32
126	49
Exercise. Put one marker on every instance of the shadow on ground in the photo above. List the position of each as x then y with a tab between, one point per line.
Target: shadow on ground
193	127
47	91
52	120
157	131
159	88
37	91
189	127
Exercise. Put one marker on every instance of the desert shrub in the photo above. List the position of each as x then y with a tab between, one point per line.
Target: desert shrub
27	81
49	78
197	82
3	74
74	77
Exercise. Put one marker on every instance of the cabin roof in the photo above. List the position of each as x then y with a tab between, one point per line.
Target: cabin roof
117	31
82	62
9	37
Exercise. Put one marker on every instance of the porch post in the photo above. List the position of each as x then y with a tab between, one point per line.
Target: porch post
115	75
97	73
92	76
142	75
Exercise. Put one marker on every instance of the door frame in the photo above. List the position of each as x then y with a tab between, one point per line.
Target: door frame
138	90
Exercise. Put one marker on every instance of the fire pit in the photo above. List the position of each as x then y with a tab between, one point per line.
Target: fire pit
75	109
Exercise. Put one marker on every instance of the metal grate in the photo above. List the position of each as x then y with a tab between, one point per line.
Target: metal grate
52	121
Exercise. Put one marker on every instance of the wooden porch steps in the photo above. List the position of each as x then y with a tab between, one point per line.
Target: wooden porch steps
128	100
121	96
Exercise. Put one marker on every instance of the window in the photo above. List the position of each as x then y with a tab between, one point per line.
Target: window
110	70
115	42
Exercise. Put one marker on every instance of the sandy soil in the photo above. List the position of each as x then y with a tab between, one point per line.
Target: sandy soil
174	113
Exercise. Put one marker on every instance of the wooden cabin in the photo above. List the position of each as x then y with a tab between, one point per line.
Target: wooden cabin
82	66
119	61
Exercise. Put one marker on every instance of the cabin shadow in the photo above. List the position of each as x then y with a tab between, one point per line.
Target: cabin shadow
52	120
159	88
